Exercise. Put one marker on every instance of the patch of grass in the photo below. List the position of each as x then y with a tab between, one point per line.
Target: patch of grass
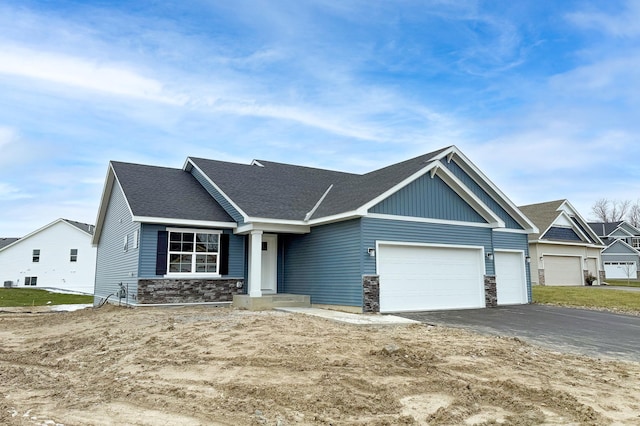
36	297
588	297
624	283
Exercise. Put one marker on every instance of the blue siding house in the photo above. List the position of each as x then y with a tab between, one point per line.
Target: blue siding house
429	233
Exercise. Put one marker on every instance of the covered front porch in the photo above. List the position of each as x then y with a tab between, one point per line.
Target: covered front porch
263	272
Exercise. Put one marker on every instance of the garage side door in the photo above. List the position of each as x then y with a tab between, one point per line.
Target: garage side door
414	278
562	270
511	284
619	270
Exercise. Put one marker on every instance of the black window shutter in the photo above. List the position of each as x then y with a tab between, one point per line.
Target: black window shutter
224	254
161	252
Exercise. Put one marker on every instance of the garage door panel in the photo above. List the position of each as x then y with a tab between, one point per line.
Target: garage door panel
562	270
619	270
511	284
423	278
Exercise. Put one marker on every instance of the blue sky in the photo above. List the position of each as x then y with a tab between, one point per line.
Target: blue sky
543	96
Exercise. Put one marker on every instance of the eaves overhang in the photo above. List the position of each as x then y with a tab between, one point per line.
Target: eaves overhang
454	154
567	243
184	222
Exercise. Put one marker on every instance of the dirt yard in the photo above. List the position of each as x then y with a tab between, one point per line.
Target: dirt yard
217	366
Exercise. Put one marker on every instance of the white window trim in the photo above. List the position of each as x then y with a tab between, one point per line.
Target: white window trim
193	274
125	246
136	238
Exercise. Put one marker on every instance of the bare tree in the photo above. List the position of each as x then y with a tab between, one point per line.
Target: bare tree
610	210
633	217
600	209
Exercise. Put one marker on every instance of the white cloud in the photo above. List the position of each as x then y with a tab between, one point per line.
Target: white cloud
9	192
7	135
624	24
83	73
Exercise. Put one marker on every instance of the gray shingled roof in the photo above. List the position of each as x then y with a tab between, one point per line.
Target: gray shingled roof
602	229
86	227
6	241
166	193
283	191
542	215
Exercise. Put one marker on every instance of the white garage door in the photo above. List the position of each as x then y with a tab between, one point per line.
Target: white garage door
620	270
511	284
414	278
562	270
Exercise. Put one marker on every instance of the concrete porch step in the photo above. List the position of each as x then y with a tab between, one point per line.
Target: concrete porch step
270	301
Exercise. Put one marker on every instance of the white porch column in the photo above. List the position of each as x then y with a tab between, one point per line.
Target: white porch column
255	264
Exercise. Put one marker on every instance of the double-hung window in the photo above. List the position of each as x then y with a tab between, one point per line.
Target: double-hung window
73	255
194	252
35	257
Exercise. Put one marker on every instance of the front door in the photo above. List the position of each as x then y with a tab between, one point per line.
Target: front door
269	263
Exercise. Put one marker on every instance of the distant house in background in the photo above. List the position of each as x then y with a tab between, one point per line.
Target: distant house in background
6	241
566	250
58	255
622	254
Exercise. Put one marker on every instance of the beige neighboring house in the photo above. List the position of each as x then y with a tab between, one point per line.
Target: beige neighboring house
566	250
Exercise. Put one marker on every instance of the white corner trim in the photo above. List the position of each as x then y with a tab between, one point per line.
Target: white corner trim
102	208
256	163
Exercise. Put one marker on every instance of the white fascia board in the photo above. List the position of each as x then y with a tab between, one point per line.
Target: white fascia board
634	230
576	228
78	229
397	187
467	195
623	243
184	222
354	214
562	243
629	234
436	168
104	203
512	231
297	228
583	222
186	168
30	234
427	220
491	189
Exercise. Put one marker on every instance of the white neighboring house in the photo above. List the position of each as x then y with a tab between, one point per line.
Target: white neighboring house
58	255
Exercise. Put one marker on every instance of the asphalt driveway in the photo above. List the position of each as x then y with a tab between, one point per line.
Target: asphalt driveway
588	332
